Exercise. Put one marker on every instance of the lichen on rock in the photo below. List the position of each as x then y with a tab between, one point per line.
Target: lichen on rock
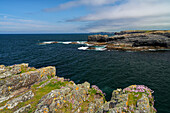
39	90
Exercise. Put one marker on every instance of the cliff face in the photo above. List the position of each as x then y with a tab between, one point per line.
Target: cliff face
26	89
156	32
134	40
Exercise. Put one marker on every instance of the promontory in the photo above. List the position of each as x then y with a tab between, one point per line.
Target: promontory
25	89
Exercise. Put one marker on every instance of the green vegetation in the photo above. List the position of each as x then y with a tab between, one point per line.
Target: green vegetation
38	94
92	91
9	67
148	31
133	98
26	69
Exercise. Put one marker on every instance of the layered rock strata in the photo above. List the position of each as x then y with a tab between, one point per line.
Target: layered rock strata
133	40
40	90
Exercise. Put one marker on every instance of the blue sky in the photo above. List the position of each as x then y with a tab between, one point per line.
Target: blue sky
81	16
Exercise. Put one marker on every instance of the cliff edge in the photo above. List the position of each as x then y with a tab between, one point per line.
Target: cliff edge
134	40
26	89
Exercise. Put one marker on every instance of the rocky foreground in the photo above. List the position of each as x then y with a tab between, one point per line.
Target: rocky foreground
26	89
134	40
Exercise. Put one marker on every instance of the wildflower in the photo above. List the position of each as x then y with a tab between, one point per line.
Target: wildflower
58	104
77	88
62	87
9	88
127	103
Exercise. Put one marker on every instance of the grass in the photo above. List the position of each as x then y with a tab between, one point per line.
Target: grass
38	94
132	99
25	69
39	84
67	107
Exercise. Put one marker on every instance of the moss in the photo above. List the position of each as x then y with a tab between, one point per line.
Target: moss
84	106
92	91
132	99
67	107
39	84
25	69
49	76
38	94
9	67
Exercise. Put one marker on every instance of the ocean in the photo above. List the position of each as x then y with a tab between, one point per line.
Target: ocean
108	70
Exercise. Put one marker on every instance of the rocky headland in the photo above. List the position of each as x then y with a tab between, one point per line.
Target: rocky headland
26	89
133	40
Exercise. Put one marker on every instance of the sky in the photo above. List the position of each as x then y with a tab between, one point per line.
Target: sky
83	16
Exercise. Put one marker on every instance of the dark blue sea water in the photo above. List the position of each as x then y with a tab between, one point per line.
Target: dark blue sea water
107	69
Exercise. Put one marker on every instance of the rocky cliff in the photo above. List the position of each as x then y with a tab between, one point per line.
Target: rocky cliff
26	89
136	40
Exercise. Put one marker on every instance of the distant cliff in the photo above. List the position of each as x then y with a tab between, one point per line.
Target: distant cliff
27	89
157	32
137	40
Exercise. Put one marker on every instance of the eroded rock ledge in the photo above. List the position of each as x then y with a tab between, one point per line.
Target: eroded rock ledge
27	89
135	40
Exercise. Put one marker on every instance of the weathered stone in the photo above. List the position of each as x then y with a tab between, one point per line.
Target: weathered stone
14	102
25	79
123	100
23	109
133	40
70	97
98	38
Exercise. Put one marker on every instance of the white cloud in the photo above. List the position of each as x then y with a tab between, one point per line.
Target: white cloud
18	25
133	14
131	9
76	3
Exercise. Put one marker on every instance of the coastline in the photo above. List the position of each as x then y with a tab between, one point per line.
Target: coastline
135	40
43	91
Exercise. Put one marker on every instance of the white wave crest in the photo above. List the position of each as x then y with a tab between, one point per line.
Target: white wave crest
81	42
67	42
100	49
82	48
49	42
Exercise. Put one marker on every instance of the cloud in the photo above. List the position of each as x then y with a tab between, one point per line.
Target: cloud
76	3
18	25
133	14
131	9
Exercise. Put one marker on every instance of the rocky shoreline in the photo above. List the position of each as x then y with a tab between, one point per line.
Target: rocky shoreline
27	89
135	40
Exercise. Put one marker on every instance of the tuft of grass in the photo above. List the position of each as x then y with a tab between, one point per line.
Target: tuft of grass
39	84
132	99
92	91
25	69
38	94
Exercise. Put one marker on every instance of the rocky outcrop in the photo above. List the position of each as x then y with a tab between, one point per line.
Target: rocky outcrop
14	102
73	97
133	99
42	91
12	70
9	84
158	32
133	40
98	38
23	109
